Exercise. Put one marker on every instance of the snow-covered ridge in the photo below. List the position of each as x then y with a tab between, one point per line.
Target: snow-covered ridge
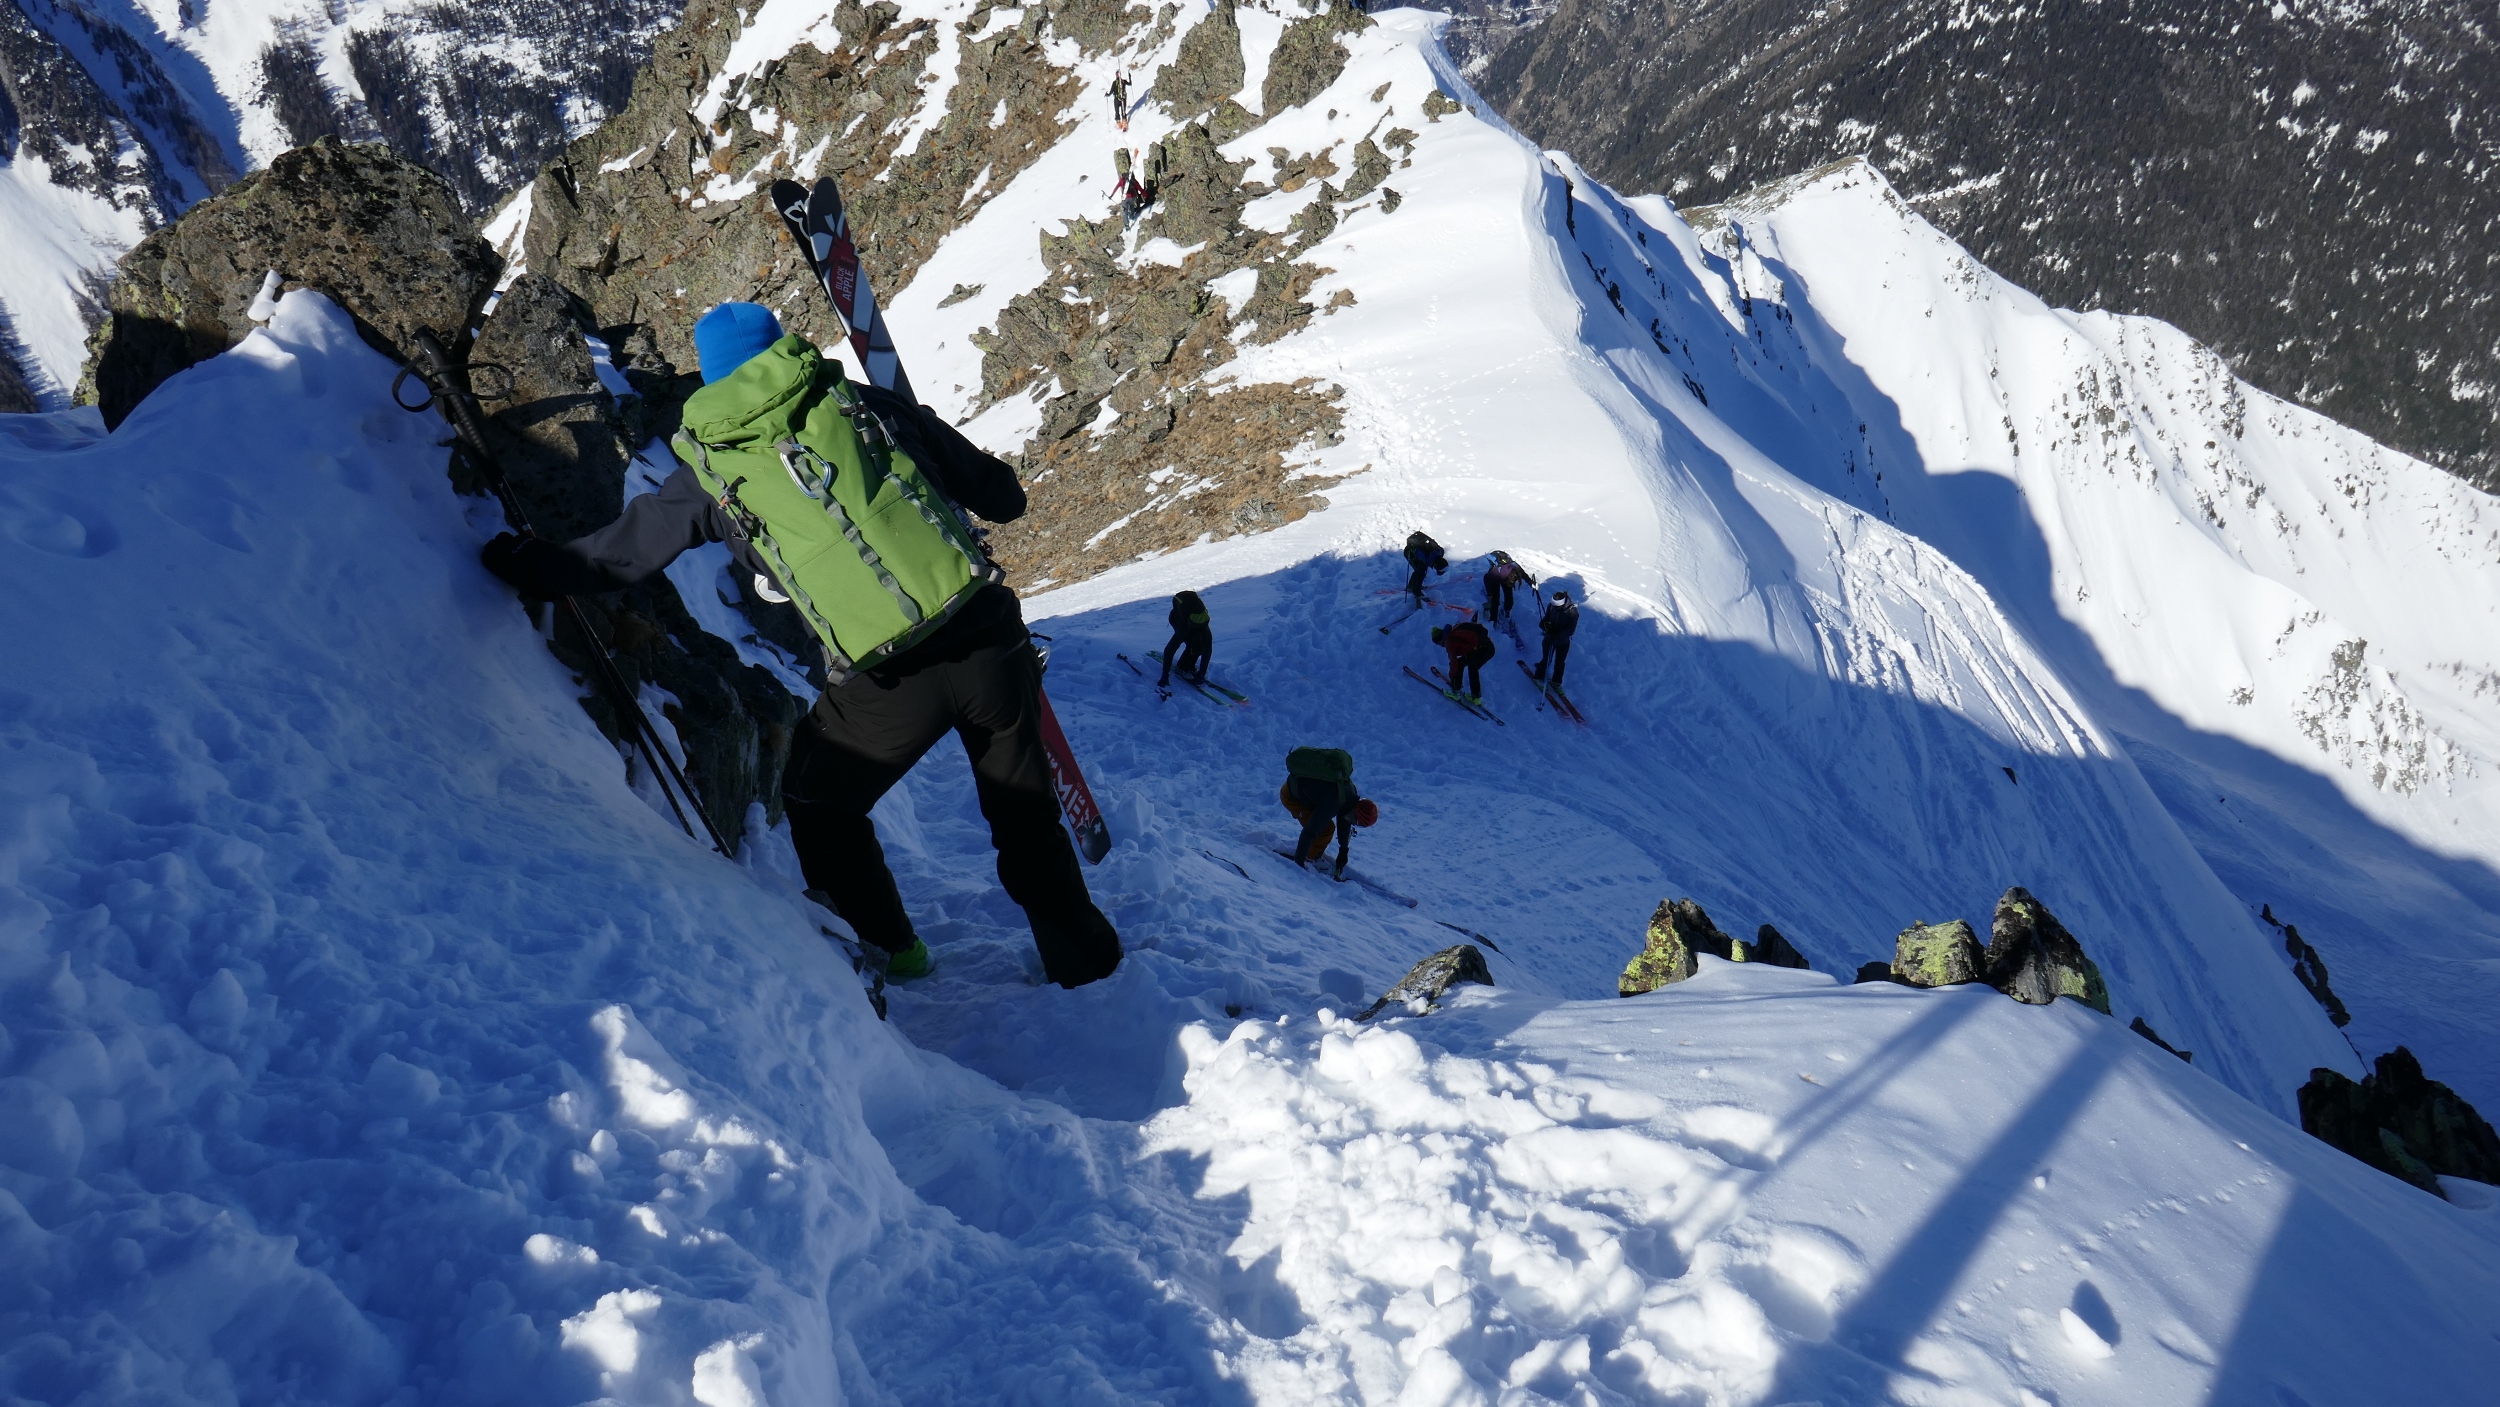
362	1035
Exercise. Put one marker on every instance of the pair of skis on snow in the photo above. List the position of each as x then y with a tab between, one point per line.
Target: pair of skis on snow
1211	691
815	219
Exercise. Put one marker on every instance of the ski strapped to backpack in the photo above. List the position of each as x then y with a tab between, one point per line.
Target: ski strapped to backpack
874	557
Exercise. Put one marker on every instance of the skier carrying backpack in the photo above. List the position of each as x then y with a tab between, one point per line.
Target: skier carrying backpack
1560	619
1192	642
1471	649
1319	791
1422	553
1501	581
847	501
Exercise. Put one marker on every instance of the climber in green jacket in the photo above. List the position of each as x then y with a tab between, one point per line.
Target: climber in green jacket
847	501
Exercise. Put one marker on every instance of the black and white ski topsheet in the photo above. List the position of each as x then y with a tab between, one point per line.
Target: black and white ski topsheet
814	217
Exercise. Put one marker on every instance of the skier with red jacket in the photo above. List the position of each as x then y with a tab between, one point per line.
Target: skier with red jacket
1471	649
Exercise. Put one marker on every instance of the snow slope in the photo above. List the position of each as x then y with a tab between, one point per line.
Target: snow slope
364	1038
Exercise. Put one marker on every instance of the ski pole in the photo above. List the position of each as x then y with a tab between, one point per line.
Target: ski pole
448	386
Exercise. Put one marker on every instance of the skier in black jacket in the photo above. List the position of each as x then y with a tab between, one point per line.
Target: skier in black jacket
1561	618
977	676
1422	553
1192	642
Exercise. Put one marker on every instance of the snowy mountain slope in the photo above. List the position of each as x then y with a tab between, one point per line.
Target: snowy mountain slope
1802	677
2295	627
367	1039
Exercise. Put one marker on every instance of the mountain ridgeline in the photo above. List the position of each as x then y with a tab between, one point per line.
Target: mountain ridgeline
2307	188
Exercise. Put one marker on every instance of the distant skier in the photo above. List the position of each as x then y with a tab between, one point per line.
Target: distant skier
1119	100
1192	642
1471	649
1319	791
1561	618
1422	553
775	436
1501	583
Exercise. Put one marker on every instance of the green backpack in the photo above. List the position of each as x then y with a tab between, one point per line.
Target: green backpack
872	554
1327	764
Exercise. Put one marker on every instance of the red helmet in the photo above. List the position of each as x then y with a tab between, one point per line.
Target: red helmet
1366	813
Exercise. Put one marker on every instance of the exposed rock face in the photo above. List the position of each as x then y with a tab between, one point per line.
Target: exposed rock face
1771	946
653	218
1424	983
1678	931
1938	955
2402	1123
2310	967
1872	972
2143	1028
1208	68
2089	154
1308	58
385	240
2033	959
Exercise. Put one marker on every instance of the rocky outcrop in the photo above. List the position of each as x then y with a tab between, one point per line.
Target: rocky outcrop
2033	959
383	239
54	112
1424	983
655	216
565	440
2144	1028
1772	947
2401	1122
1207	70
1309	57
1938	955
1679	931
2309	967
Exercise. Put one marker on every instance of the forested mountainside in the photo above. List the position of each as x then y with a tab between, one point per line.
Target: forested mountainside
2308	188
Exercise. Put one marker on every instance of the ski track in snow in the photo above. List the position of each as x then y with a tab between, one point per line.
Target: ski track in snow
364	1036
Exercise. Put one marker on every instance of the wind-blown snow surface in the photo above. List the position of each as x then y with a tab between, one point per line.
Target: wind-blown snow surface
366	1039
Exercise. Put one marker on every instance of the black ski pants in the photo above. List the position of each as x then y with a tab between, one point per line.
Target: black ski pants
1498	594
862	736
1325	806
1549	665
1188	653
1470	667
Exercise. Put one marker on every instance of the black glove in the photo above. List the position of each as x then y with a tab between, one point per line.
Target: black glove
518	561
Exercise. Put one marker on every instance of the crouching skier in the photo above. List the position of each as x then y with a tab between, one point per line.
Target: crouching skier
1319	791
847	501
1422	554
1192	642
1471	649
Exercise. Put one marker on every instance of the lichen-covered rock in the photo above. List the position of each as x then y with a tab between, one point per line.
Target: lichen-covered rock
2401	1122
1308	57
1937	955
1678	931
1208	69
2033	959
1771	946
1424	983
384	239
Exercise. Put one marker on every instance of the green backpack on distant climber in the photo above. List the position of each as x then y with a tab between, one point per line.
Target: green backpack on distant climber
874	556
1327	764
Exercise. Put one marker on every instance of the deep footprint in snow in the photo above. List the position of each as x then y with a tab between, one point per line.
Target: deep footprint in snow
56	523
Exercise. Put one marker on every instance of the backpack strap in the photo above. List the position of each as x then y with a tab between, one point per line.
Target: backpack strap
791	451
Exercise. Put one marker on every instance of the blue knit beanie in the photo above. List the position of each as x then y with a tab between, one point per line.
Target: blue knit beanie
730	335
